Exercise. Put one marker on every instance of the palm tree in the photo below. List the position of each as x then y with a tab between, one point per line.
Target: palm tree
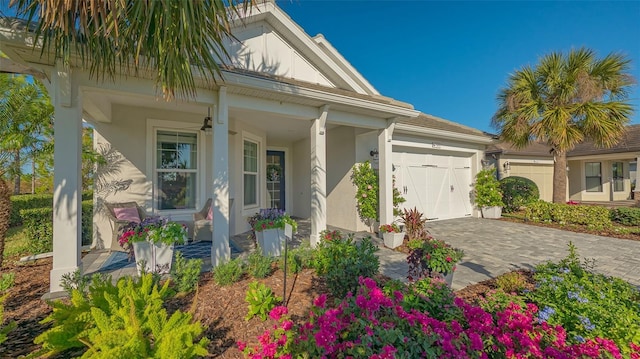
138	36
565	100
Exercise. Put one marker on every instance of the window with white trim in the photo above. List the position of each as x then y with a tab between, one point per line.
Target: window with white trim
176	169
593	176
250	172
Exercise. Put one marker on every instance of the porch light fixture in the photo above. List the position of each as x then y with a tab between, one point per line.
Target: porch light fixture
206	126
374	153
507	166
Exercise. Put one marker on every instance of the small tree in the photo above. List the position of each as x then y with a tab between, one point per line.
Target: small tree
487	189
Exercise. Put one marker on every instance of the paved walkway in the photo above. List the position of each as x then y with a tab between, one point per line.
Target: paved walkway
495	247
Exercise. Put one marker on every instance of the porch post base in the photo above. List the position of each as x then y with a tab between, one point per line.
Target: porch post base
55	276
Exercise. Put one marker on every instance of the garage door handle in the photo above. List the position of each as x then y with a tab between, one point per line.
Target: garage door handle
405	190
452	188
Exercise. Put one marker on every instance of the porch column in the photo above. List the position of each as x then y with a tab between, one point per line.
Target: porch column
636	191
318	176
67	182
385	168
220	250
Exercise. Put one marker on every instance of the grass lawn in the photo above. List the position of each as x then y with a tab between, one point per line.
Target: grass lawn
16	243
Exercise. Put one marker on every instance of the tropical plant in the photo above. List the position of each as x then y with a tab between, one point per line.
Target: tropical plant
155	229
487	189
114	36
389	228
271	218
261	300
414	224
518	192
564	100
25	115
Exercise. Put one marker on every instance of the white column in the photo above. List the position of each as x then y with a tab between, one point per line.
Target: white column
318	176
220	250
385	171
67	183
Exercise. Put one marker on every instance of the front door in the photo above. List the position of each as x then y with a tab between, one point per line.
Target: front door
275	179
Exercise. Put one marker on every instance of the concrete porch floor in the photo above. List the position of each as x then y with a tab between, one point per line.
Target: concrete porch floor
392	264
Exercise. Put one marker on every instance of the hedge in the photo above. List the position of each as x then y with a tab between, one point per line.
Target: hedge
518	192
38	224
626	216
594	217
31	201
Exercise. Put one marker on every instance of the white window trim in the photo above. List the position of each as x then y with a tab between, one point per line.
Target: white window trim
158	125
250	209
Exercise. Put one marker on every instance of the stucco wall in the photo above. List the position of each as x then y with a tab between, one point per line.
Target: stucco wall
341	203
302	179
540	173
578	180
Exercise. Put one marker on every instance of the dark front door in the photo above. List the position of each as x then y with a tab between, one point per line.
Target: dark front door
275	179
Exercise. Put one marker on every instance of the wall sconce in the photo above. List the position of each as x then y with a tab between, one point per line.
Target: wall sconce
507	166
206	125
374	154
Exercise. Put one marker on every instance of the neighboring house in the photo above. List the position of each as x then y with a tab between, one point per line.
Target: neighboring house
288	123
534	162
595	174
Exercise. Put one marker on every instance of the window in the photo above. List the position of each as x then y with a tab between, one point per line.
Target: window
593	176
250	173
617	177
176	169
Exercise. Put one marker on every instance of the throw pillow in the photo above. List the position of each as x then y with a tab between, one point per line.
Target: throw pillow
129	214
210	214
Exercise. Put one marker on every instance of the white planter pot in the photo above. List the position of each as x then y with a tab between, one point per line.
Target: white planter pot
492	212
260	239
393	240
272	241
156	258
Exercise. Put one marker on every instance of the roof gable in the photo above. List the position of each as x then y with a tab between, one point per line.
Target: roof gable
269	41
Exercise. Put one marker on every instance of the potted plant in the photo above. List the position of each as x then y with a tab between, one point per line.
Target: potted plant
152	242
269	226
432	258
392	235
487	194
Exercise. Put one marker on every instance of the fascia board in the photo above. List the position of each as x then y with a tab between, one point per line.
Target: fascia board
232	79
417	130
606	156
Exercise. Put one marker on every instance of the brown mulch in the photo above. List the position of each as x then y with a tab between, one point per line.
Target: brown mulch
575	228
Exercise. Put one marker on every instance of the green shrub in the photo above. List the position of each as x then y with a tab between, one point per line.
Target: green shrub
260	300
586	304
298	258
126	320
38	224
32	201
259	266
6	282
487	189
342	261
433	296
497	300
518	192
593	217
228	273
626	216
75	280
512	282
186	272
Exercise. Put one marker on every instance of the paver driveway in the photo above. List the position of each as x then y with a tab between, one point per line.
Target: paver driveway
494	247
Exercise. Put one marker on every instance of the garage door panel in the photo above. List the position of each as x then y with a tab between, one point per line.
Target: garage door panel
437	199
416	183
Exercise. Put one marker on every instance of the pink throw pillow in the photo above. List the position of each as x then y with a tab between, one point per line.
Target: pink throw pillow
129	214
210	214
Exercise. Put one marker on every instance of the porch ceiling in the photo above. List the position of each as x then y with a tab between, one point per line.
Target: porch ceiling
279	129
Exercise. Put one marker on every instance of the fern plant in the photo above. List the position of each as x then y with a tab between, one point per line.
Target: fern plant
186	272
126	320
6	282
261	300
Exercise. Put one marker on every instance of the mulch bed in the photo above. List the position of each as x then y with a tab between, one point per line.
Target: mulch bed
575	228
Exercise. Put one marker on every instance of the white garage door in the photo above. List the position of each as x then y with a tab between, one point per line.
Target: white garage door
437	185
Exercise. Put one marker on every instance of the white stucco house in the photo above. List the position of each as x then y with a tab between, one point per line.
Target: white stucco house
288	103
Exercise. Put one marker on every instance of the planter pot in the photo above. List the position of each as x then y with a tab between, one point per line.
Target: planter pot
447	277
272	241
492	212
155	257
260	239
393	240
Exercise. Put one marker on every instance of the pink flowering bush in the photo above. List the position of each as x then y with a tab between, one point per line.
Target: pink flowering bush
371	324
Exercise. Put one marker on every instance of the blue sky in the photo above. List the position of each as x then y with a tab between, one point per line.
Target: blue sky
450	58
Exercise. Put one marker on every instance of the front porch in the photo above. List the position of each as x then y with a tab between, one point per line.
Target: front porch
116	264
